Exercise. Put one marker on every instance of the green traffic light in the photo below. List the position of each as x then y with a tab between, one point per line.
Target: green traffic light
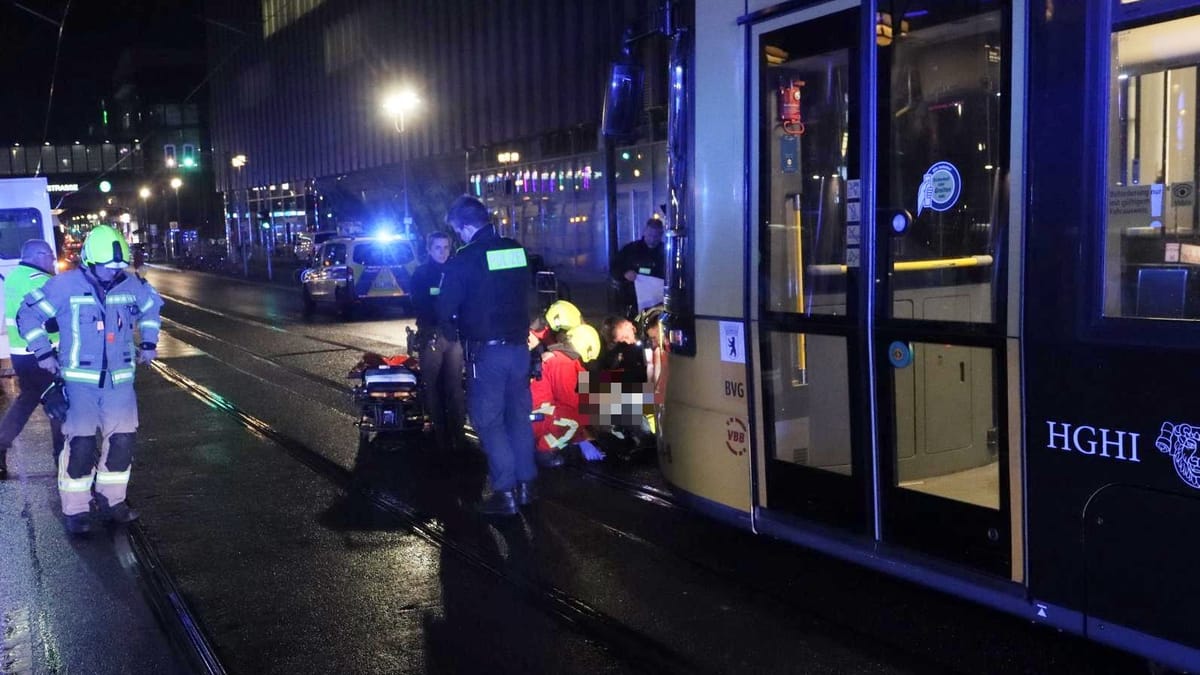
188	162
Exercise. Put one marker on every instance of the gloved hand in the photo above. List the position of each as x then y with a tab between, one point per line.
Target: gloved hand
147	355
54	399
590	452
49	364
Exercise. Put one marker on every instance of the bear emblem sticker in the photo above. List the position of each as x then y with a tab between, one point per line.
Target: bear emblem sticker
940	188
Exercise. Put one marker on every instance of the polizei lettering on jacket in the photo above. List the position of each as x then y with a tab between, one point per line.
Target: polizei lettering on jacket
1096	441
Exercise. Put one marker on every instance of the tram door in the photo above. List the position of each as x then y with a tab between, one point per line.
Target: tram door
884	406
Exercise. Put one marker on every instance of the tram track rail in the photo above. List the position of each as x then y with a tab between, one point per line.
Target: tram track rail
636	649
167	602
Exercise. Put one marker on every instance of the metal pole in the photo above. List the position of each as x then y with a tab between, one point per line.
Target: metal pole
404	171
610	197
271	236
242	232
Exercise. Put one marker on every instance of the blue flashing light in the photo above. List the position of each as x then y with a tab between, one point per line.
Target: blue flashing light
385	230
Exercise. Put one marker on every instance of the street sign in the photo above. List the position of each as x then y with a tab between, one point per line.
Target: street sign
174	225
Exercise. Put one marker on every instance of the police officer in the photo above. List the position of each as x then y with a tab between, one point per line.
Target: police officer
36	268
97	307
441	356
485	293
644	257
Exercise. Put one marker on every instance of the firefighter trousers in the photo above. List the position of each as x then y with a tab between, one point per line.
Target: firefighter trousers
85	463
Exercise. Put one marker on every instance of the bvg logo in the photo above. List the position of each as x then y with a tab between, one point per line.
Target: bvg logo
1180	442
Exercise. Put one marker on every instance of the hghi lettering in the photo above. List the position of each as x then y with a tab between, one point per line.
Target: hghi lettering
1093	441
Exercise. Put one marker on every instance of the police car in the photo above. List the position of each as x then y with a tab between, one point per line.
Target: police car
352	272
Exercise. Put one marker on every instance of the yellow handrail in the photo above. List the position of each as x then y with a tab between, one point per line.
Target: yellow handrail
914	265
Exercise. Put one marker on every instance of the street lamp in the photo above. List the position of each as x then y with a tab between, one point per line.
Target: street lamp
144	193
398	104
237	162
176	183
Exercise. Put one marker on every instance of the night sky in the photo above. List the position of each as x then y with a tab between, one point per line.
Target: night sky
94	34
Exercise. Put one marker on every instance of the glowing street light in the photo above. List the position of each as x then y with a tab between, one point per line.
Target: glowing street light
238	161
177	183
398	104
144	193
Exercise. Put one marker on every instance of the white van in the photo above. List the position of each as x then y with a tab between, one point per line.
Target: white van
24	215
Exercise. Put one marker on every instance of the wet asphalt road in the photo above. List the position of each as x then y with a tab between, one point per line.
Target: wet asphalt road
302	552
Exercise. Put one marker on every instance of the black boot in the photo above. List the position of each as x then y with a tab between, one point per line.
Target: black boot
499	503
3	463
121	513
80	523
526	493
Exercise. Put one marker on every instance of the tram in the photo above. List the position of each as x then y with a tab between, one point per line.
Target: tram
933	303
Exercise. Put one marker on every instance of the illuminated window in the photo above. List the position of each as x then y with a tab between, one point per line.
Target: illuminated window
1152	233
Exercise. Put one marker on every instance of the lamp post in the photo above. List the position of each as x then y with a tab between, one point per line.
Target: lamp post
398	105
176	183
238	161
143	194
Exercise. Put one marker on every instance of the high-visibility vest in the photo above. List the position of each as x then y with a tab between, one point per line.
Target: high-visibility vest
23	279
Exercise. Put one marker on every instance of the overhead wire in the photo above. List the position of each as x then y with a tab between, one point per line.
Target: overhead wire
53	74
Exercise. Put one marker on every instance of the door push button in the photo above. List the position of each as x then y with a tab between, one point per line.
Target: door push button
900	354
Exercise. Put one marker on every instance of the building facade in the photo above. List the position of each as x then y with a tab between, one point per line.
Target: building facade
505	90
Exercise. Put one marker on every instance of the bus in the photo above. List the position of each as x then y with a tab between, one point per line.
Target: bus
933	298
24	215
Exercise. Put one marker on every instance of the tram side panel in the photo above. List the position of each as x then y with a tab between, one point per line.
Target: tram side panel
1112	426
705	450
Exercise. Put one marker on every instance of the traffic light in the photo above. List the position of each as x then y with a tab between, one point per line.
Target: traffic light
189	156
169	155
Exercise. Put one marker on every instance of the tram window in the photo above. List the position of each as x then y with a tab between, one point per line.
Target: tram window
807	154
1152	231
946	160
809	401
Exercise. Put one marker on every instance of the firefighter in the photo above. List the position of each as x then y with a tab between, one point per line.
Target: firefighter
36	268
558	421
97	307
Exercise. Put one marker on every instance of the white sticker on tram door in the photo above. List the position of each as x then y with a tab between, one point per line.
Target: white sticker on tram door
853	235
733	342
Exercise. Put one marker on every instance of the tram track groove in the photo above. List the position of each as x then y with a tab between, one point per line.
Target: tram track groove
637	649
169	604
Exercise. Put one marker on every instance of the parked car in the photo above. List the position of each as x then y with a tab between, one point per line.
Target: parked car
352	272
